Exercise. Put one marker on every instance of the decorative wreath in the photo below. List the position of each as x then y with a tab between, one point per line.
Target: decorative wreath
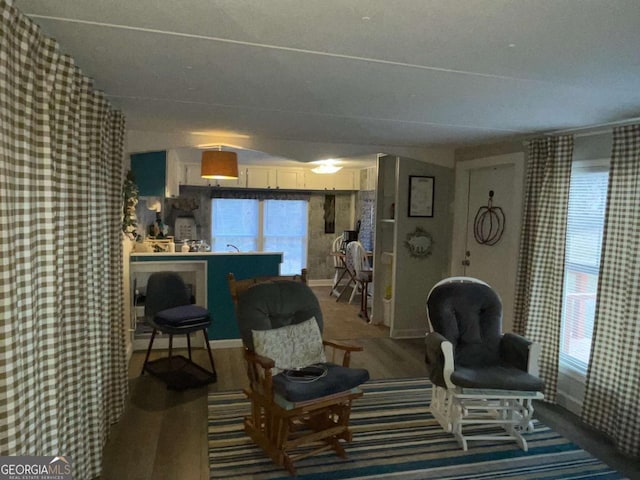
419	243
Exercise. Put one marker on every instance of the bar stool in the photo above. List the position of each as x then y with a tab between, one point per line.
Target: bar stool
168	310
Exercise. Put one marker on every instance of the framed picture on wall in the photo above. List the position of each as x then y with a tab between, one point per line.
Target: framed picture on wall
421	196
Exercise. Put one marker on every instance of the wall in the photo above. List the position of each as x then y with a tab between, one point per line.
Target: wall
416	276
319	263
488	150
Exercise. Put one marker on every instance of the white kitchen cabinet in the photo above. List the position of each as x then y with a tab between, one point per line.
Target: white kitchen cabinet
290	178
260	177
174	175
192	175
342	180
316	181
345	180
368	178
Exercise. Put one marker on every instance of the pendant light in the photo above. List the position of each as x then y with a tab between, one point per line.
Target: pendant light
219	164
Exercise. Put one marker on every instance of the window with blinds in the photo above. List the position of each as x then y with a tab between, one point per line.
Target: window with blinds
262	225
585	223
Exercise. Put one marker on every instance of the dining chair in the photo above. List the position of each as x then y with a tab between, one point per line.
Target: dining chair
361	274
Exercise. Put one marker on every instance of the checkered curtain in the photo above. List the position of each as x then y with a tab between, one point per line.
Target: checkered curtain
538	302
613	378
62	355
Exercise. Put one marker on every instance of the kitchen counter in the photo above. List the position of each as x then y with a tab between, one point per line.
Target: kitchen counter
189	254
217	267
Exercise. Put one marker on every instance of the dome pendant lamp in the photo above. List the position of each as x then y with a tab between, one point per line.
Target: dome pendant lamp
219	164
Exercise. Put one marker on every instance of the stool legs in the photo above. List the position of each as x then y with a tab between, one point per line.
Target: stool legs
146	359
206	342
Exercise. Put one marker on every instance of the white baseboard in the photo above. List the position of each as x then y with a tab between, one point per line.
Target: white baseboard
228	343
320	282
570	403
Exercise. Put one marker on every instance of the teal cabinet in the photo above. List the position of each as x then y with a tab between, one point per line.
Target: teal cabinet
150	172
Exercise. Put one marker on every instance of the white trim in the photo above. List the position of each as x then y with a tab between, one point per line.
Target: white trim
226	343
448	367
534	359
566	368
320	282
598	163
569	402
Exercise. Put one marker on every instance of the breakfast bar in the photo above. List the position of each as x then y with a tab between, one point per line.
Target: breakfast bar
206	273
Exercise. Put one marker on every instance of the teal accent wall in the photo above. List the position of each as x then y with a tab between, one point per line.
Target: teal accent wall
224	325
150	172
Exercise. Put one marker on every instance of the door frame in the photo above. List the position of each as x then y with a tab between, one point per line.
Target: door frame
461	207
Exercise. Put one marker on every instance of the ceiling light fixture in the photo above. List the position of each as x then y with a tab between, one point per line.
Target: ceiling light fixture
219	164
326	166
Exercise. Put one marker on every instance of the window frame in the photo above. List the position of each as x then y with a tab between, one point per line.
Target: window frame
568	364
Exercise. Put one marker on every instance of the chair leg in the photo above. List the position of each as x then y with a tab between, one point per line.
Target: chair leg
189	345
364	307
146	359
206	342
170	348
356	287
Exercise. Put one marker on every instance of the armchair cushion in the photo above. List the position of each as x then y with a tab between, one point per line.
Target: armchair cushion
469	315
290	347
500	377
338	379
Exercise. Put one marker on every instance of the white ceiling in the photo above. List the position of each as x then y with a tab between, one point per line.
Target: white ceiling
406	73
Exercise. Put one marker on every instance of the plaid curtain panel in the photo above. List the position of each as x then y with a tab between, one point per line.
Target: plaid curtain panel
613	378
538	300
62	355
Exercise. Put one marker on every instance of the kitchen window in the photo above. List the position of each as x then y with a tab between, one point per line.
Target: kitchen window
585	223
262	226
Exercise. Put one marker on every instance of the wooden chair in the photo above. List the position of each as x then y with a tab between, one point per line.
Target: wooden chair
340	269
361	273
287	414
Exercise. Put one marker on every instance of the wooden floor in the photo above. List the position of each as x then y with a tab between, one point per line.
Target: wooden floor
163	434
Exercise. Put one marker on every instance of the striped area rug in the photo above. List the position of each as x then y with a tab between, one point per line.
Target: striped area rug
394	436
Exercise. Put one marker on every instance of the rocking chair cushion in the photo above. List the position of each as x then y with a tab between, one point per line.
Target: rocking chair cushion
496	377
338	379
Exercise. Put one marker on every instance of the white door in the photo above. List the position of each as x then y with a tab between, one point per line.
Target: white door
489	238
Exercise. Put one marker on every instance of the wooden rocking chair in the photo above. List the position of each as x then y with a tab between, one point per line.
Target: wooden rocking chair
296	407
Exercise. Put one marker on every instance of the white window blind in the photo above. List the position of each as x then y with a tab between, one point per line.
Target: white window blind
262	225
585	223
